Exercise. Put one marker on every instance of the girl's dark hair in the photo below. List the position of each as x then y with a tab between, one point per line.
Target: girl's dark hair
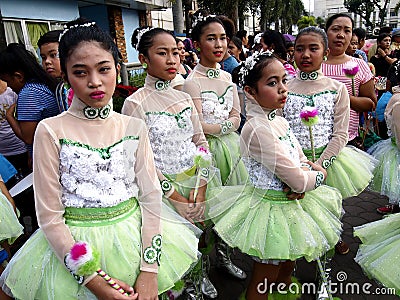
382	36
336	16
238	42
147	39
197	30
241	34
278	40
229	26
82	30
15	58
49	37
316	30
255	74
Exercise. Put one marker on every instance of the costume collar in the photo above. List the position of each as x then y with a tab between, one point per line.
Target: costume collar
255	110
83	111
314	75
209	72
157	83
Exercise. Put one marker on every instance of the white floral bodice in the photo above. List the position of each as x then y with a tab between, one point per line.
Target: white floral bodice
171	140
216	108
322	131
97	177
263	178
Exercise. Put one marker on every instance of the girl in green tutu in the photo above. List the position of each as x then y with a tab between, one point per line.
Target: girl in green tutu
330	133
262	218
10	228
103	231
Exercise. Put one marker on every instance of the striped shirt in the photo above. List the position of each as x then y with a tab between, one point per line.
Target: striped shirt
35	103
364	75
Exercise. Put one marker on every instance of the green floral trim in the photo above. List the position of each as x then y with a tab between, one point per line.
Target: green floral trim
166	186
226	126
213	73
219	97
178	116
103	152
156	242
310	98
326	163
308	76
319	179
93	113
272	115
152	253
287	137
204	172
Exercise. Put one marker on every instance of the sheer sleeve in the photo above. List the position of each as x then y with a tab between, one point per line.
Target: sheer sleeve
47	189
260	142
396	123
149	195
340	128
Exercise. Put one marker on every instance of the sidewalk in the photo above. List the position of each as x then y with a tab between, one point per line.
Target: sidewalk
346	275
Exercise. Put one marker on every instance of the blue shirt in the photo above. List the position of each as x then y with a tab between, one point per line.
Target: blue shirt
362	54
35	103
229	64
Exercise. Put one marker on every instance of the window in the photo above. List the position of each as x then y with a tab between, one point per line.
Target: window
27	32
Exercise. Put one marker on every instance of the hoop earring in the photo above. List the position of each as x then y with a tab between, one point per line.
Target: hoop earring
198	49
144	65
66	85
325	58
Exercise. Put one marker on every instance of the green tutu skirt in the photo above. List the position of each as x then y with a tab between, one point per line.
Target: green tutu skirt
36	273
351	171
265	224
379	254
387	174
226	155
10	228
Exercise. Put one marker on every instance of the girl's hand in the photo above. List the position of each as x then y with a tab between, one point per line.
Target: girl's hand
146	286
292	195
198	207
103	291
318	168
11	111
181	205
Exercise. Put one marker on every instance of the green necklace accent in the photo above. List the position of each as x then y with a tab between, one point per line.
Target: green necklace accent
162	85
308	76
93	113
221	99
212	73
272	115
103	152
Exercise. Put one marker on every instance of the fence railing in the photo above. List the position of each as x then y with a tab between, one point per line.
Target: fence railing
128	70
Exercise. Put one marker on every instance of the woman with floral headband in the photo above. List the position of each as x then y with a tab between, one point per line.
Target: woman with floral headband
261	218
104	233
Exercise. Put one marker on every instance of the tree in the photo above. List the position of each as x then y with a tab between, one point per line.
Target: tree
177	16
364	8
306	21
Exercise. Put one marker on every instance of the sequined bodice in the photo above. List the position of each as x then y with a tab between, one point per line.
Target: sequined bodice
264	178
97	177
322	131
171	140
216	108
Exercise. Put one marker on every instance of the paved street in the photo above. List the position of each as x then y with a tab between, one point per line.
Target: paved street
346	274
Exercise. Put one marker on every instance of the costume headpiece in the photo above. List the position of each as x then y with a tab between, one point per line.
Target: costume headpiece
249	64
140	34
201	18
66	28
